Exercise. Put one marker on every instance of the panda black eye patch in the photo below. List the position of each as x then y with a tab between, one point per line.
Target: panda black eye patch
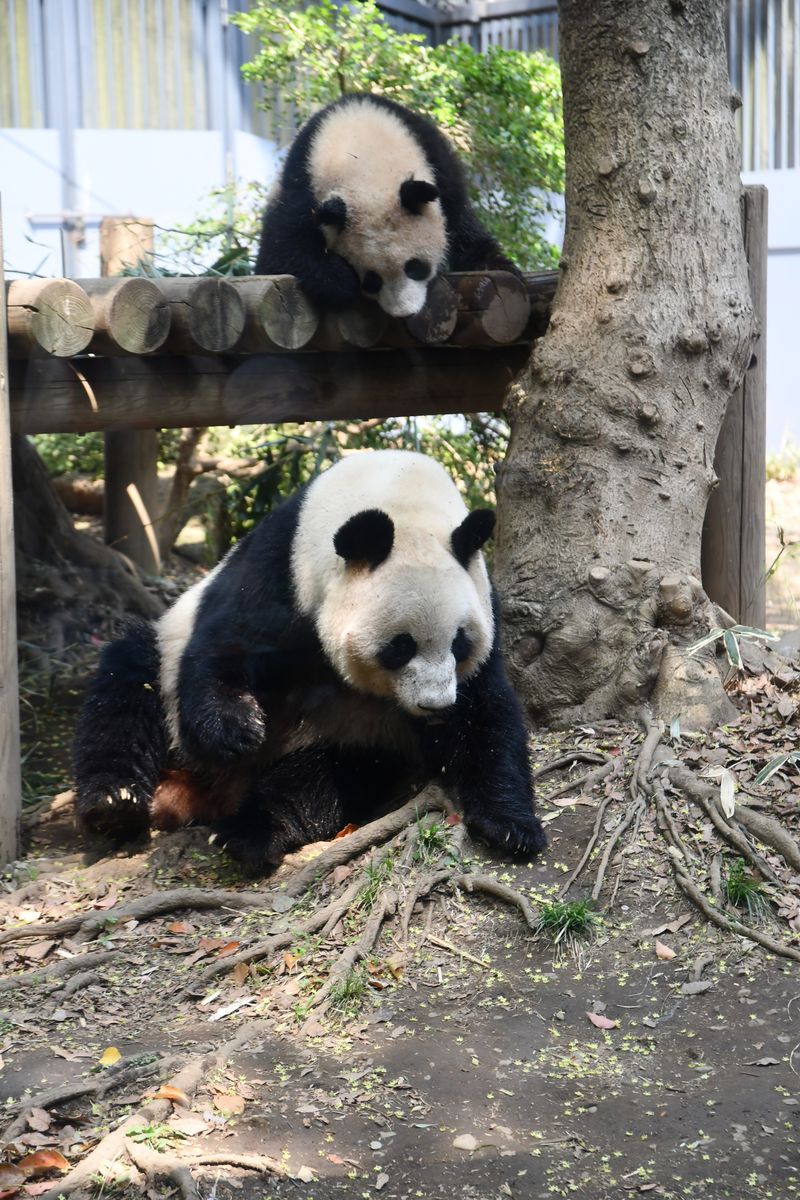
398	652
372	283
417	268
461	647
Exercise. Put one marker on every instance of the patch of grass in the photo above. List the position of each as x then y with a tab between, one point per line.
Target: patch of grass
346	996
156	1135
743	890
432	841
376	874
568	921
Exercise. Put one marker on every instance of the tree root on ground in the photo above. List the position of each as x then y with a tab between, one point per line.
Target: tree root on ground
57	970
85	929
111	1149
655	771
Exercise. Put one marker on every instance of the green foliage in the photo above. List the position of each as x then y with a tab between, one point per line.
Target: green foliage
156	1135
346	996
432	841
742	890
376	874
226	232
562	920
501	109
73	453
469	448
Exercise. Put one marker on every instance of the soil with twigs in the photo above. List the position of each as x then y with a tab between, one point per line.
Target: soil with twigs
401	1013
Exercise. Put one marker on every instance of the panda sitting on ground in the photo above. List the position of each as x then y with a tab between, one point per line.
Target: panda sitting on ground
372	199
342	655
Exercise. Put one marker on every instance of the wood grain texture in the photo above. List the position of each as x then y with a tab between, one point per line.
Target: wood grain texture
50	316
734	532
168	392
10	785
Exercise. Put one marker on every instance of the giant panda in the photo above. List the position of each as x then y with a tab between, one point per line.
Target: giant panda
372	199
342	655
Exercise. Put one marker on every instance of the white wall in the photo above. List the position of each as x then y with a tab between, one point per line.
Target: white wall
145	173
783	304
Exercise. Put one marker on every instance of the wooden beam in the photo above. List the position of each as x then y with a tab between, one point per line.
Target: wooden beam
130	470
169	392
10	781
735	526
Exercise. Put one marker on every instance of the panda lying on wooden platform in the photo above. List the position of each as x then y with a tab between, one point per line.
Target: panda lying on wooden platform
342	655
372	199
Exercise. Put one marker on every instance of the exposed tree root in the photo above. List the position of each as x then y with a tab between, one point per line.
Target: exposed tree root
120	1075
85	929
343	850
155	1166
567	760
114	1145
57	970
584	783
343	967
656	763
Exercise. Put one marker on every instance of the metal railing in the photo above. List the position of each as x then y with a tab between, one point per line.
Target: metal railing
174	64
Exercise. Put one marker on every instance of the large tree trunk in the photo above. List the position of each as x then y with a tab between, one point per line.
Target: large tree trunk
603	492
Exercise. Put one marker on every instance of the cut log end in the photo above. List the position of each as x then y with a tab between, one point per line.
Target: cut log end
52	315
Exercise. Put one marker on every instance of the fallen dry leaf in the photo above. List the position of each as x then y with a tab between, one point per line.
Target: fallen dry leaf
11	1177
240	972
381	1181
669	926
229	1105
108	901
601	1022
453	819
42	1161
180	927
340	873
109	1056
168	1092
465	1141
39	1120
228	948
36	951
696	987
305	1175
664	952
343	833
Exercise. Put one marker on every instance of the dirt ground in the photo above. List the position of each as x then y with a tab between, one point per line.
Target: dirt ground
481	1032
469	1065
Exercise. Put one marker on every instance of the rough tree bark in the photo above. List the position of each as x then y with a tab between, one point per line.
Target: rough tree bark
602	495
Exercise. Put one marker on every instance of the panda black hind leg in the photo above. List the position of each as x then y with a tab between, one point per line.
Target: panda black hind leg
120	745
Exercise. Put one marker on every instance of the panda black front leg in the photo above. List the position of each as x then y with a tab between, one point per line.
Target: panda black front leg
219	719
486	768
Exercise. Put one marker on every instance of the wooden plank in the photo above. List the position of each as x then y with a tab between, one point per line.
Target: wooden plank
735	526
168	392
130	455
753	604
10	763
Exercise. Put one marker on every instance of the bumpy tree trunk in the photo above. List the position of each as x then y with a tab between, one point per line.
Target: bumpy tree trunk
603	492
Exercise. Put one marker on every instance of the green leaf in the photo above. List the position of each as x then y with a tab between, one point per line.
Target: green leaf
711	636
732	650
774	765
747	631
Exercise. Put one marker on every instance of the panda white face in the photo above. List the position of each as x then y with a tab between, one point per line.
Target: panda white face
386	564
377	204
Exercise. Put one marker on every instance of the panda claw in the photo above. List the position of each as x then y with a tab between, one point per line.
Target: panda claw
212	839
109	800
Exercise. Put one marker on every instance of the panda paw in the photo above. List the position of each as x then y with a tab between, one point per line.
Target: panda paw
107	808
520	837
230	730
334	286
253	854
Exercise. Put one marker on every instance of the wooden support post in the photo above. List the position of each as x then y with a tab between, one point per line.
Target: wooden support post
131	455
735	525
10	782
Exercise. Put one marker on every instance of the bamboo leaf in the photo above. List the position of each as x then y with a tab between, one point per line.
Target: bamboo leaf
732	649
769	770
711	636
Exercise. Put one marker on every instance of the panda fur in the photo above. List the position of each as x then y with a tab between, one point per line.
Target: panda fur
342	655
372	199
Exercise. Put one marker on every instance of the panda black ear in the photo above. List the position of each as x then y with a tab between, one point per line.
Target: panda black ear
415	193
366	538
476	528
333	212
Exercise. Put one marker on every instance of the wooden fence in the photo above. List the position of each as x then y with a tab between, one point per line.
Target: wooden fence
127	354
